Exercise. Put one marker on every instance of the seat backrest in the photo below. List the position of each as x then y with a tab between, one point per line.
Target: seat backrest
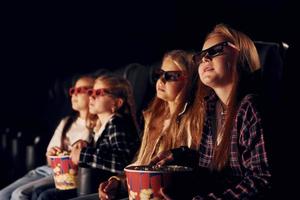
138	76
269	81
270	75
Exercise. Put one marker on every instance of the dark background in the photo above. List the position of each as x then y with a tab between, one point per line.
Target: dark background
43	42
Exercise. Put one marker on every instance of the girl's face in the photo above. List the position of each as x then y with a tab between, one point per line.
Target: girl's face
101	103
217	70
80	98
168	90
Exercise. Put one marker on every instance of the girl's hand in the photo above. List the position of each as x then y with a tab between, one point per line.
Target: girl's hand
163	158
109	189
75	153
80	144
53	151
164	194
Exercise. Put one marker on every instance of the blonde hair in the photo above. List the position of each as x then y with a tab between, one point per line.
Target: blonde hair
181	124
247	62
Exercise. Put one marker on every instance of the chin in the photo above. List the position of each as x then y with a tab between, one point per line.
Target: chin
160	96
208	81
92	112
74	107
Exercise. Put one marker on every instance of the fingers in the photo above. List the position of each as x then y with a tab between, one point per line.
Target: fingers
79	144
163	192
155	160
162	158
75	154
108	189
166	160
53	150
102	192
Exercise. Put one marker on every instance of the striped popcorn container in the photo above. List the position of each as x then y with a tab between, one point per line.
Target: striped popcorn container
144	182
64	171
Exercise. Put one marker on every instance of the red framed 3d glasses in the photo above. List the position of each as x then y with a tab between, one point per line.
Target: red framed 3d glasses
98	92
78	90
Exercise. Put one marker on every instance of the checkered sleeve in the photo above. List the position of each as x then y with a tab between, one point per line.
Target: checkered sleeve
113	153
253	157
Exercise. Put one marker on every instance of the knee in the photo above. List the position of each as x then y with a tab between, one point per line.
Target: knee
4	195
43	196
18	194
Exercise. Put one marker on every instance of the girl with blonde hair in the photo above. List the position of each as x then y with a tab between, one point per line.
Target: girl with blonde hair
171	120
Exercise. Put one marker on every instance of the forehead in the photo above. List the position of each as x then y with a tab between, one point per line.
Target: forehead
84	82
100	84
213	40
169	64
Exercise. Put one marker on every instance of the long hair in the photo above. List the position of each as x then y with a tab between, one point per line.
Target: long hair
247	62
121	88
74	115
181	125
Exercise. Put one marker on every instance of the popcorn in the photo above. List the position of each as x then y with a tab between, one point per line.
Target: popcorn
145	194
65	172
63	153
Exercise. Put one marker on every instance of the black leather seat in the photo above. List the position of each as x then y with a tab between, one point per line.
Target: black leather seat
269	84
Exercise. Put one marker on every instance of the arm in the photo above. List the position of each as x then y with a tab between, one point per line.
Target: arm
55	142
113	153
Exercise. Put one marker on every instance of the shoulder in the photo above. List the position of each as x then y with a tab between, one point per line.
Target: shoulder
121	123
249	101
249	108
64	120
118	120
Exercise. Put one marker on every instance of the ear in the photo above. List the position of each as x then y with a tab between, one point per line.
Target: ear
119	102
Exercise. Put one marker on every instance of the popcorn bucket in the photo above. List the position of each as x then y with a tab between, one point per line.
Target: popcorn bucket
145	182
65	172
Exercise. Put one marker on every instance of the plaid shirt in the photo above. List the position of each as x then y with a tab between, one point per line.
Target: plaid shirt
248	158
114	149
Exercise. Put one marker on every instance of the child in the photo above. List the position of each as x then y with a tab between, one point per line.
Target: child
116	139
70	130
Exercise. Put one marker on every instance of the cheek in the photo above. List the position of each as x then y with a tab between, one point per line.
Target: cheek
174	91
200	70
158	83
84	101
102	104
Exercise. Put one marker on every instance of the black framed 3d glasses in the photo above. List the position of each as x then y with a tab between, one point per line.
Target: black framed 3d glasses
167	76
212	52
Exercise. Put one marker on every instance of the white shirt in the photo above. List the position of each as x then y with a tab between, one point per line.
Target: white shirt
100	131
77	131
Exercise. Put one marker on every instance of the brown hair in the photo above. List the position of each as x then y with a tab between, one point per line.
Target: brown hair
121	88
247	62
73	117
181	123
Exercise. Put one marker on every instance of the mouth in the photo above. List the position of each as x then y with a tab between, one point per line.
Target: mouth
160	89
207	68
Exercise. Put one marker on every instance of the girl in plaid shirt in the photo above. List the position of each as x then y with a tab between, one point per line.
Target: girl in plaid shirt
232	144
115	140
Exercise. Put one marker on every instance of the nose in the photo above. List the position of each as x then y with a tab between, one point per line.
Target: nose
161	80
205	58
92	97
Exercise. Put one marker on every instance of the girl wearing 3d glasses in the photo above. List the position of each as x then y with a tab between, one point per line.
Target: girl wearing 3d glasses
233	144
172	120
70	130
116	139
